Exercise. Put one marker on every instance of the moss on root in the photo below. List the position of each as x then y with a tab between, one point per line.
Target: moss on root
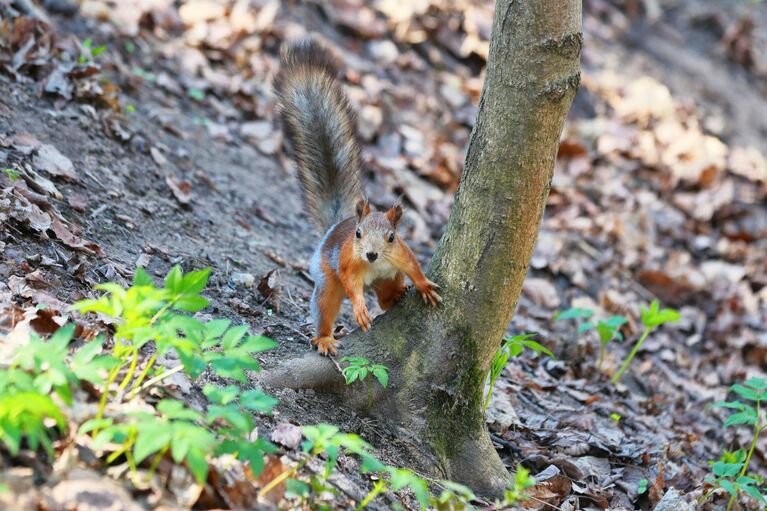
460	400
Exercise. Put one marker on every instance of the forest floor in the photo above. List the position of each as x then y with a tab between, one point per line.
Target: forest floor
164	149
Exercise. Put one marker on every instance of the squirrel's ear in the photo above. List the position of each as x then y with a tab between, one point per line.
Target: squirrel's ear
362	208
394	214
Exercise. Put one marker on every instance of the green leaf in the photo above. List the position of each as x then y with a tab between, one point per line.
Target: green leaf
737	405
92	424
175	409
757	383
194	282
654	316
63	336
197	464
746	392
152	437
574	313
539	348
726	469
752	491
173	279
382	374
296	488
191	303
729	487
216	328
370	464
513	350
221	395
233	336
257	343
350	374
196	94
463	491
741	418
585	327
259	401
616	321
179	447
142	278
605	332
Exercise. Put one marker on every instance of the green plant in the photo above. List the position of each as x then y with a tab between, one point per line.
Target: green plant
606	329
39	375
652	318
144	74
90	52
359	368
145	313
328	442
140	435
451	495
12	174
510	348
642	486
518	486
196	94
731	470
322	439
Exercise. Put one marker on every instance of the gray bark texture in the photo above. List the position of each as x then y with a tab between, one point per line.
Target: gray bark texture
439	356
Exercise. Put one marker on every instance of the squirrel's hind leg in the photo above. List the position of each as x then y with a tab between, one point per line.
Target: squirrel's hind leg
325	304
390	291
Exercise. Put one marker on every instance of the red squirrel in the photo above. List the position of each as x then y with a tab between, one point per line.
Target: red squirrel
360	248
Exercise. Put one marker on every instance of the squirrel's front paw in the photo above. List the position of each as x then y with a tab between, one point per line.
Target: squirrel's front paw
325	345
428	292
362	316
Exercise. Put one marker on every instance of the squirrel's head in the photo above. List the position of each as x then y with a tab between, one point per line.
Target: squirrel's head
376	236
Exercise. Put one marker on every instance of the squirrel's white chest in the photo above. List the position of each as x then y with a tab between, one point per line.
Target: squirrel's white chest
379	270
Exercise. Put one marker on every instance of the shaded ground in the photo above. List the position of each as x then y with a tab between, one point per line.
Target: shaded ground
196	175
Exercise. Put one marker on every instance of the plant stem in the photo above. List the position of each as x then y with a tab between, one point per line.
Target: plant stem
625	365
105	394
757	432
370	394
156	462
489	392
162	311
149	365
601	356
283	475
378	487
129	374
162	376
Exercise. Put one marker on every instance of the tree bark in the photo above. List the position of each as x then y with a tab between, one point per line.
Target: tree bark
439	357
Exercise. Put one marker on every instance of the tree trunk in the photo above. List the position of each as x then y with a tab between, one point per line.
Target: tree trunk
439	356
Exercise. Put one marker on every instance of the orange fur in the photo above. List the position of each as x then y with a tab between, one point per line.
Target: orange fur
350	278
390	291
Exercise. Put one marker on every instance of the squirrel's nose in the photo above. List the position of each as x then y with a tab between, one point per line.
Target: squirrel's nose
372	256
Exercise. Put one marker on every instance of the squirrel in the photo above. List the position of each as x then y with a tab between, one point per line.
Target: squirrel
360	248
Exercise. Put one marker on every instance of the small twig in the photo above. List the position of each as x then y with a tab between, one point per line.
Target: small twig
160	377
335	363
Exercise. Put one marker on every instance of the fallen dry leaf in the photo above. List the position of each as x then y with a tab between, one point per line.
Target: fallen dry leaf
182	190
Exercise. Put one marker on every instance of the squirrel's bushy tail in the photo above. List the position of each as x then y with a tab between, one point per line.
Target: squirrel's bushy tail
318	120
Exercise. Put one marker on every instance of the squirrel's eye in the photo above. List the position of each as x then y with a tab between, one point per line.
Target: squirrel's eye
391	237
358	233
